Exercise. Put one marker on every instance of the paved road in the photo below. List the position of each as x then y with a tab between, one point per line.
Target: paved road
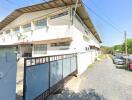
101	82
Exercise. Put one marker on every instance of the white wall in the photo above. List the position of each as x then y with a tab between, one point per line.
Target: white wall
7	74
80	28
57	28
84	59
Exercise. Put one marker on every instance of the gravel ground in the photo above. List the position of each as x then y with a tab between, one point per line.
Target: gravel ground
103	81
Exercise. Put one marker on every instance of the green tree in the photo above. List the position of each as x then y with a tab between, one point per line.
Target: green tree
129	46
121	47
118	48
106	50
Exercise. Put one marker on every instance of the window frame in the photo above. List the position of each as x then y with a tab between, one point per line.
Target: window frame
40	26
25	28
16	28
40	49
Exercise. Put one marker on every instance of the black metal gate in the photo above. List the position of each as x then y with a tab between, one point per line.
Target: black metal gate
45	75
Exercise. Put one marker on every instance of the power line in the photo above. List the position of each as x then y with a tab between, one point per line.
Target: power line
45	0
29	1
97	15
16	5
13	3
104	13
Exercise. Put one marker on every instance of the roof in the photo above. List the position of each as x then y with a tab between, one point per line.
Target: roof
50	5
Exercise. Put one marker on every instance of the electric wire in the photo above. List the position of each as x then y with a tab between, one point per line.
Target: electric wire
103	13
101	18
13	3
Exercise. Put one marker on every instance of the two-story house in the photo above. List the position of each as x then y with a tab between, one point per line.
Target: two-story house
53	27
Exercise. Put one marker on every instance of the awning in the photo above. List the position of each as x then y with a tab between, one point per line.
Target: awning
68	39
53	41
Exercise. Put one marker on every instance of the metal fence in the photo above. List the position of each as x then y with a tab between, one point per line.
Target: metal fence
45	75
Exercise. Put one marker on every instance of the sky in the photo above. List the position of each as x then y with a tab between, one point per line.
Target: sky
112	18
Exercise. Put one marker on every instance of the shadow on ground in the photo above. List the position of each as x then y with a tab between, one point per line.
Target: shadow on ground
83	95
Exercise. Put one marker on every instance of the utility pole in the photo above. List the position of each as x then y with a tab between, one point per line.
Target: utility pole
126	44
126	49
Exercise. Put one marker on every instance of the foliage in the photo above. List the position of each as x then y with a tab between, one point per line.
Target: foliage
118	48
106	50
102	56
129	46
121	47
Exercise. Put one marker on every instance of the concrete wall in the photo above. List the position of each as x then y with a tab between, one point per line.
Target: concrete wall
85	59
7	74
79	30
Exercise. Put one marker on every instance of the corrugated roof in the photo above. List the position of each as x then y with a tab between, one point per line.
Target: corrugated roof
49	5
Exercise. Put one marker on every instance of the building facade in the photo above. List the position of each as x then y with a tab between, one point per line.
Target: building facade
50	28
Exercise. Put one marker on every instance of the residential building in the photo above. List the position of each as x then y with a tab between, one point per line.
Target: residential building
50	28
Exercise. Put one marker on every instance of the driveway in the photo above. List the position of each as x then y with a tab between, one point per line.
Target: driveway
103	81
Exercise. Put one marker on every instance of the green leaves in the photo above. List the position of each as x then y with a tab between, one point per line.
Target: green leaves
121	47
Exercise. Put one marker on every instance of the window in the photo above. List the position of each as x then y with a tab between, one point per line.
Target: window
59	15
86	48
7	31
86	38
26	27
40	23
1	33
60	44
16	30
40	49
64	44
53	44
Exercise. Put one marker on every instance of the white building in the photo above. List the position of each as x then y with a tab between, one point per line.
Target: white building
50	28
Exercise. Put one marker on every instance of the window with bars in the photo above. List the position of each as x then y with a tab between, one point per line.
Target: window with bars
60	44
26	27
40	23
8	31
16	30
40	49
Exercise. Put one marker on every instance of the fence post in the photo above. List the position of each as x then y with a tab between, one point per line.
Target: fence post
76	63
70	63
62	67
24	81
49	74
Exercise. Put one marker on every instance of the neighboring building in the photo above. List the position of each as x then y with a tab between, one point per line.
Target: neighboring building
50	28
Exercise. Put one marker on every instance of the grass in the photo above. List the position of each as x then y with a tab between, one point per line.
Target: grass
102	56
125	66
110	55
90	66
